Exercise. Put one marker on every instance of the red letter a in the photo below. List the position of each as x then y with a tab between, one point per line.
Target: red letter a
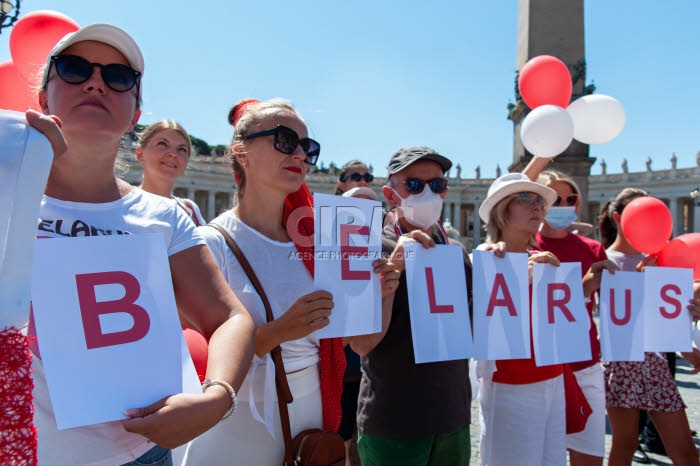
91	310
507	301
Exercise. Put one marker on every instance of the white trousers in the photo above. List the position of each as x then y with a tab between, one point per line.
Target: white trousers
241	440
591	440
523	424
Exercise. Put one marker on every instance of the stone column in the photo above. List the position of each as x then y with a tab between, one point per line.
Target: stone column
457	217
476	232
677	224
211	205
553	27
190	193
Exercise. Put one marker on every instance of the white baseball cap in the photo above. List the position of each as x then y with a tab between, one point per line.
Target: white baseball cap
513	183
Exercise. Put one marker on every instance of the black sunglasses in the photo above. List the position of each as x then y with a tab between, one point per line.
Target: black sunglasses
356	177
287	140
416	185
76	70
570	200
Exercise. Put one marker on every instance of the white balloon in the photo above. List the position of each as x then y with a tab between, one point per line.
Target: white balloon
597	118
547	131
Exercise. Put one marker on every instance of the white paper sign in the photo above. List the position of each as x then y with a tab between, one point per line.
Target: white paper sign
667	322
560	321
25	161
438	303
501	306
621	316
348	238
107	325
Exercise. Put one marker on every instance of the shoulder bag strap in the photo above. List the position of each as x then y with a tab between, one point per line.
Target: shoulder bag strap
284	395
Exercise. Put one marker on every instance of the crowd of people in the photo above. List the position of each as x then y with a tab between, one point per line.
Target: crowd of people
402	413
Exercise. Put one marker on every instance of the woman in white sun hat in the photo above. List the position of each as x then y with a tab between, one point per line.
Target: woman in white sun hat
522	404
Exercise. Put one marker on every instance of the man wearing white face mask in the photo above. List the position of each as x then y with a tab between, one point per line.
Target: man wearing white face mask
586	448
408	413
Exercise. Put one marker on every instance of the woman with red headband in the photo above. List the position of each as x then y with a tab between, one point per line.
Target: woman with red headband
270	154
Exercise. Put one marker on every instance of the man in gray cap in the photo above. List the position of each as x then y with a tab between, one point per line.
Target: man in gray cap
408	413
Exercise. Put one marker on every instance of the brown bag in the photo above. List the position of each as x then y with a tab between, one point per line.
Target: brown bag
311	447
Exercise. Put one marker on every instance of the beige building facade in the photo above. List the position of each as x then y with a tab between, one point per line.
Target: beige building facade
209	182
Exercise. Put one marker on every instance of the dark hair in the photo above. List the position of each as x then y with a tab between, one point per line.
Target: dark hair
344	170
606	225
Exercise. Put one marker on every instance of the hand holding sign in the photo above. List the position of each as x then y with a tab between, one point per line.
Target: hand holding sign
308	314
398	257
388	275
591	281
545	257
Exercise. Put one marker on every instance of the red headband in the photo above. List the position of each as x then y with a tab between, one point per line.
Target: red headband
239	109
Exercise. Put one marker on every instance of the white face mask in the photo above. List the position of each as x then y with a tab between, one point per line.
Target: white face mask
421	210
560	217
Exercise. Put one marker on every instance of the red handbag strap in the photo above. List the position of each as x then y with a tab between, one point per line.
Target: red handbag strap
284	394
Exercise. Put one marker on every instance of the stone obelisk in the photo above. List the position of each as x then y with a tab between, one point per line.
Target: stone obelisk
553	27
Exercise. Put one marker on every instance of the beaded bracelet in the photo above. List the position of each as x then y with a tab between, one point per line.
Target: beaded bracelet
234	401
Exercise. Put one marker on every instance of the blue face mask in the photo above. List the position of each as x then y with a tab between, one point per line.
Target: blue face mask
560	217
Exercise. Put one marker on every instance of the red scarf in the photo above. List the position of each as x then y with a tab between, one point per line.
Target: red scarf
17	431
331	351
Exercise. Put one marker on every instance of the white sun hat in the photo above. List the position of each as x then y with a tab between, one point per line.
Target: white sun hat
361	191
513	183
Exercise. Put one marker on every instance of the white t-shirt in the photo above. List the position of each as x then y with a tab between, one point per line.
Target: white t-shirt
138	212
192	210
283	276
627	262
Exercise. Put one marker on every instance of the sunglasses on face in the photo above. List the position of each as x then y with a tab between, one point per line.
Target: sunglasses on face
530	200
287	140
356	177
76	70
570	200
416	185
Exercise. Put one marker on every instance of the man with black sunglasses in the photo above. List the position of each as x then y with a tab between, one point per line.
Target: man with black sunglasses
408	413
352	175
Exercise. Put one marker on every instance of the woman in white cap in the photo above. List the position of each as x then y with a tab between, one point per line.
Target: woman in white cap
91	88
522	404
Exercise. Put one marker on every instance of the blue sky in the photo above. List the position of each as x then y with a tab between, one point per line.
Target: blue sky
370	77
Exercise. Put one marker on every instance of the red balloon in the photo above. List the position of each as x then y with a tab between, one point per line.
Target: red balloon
545	80
199	350
682	252
33	37
15	92
647	224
